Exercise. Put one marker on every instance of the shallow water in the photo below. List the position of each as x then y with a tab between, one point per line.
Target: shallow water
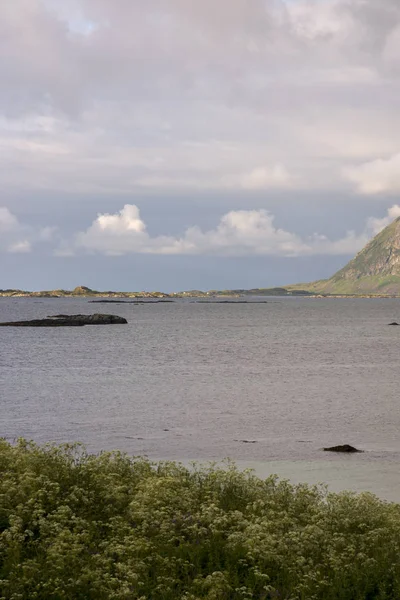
190	381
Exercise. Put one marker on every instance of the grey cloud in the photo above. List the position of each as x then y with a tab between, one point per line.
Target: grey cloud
12	233
160	46
17	237
39	62
125	94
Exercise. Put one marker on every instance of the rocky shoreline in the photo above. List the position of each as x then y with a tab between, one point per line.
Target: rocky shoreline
135	297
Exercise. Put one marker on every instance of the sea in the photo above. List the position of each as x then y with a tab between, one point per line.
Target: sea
267	383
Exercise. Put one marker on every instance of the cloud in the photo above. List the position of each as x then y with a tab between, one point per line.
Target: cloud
391	52
239	233
11	233
266	178
20	247
126	221
102	96
377	176
375	226
18	238
8	222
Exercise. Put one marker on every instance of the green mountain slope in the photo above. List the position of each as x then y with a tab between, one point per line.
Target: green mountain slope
374	270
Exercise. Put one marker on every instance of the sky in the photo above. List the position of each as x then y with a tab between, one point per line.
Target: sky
194	144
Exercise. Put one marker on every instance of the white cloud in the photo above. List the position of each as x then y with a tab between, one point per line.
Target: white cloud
127	220
377	176
18	238
239	233
116	234
376	225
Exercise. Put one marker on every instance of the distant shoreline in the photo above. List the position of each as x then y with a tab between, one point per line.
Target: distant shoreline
85	292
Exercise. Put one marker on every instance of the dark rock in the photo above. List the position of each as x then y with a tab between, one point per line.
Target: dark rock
344	448
394	323
110	302
230	302
247	441
69	321
44	323
128	301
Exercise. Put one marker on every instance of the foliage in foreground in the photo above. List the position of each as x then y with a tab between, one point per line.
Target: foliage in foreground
78	526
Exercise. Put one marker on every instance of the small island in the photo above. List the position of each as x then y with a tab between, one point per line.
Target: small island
69	321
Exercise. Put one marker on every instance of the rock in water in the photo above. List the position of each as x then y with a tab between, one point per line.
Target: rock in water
394	323
344	448
69	321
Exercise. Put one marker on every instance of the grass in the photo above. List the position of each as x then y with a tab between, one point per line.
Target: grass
79	526
374	270
374	284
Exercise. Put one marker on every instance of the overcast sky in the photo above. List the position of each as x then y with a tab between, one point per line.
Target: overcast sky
178	144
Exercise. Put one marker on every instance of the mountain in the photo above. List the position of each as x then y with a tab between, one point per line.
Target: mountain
374	270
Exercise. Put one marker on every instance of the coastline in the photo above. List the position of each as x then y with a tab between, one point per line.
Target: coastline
83	292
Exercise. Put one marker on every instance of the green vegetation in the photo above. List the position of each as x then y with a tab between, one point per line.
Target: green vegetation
375	270
388	285
380	257
78	526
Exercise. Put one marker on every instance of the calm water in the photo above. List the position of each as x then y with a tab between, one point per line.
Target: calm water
190	381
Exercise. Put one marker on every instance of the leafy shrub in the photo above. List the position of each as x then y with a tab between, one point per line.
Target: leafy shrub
78	526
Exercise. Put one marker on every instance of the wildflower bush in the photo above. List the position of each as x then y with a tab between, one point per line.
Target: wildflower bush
79	526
